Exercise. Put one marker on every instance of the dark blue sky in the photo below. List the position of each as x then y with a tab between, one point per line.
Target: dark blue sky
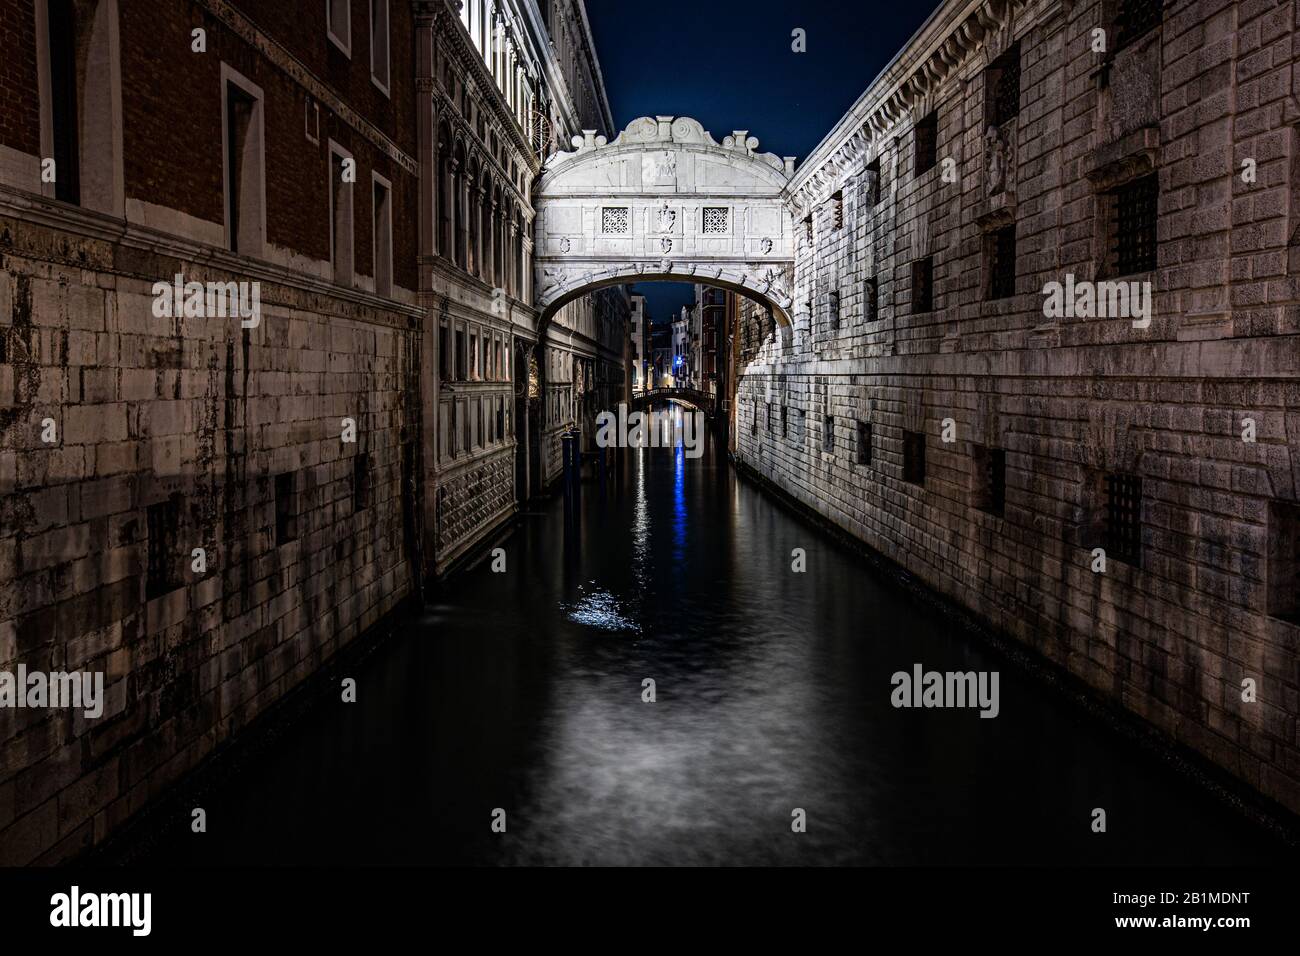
729	64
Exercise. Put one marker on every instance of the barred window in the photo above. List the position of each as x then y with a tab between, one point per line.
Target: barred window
872	197
864	443
165	556
1002	262
914	457
1002	87
1135	19
1133	225
1122	531
715	220
1284	560
991	479
923	285
927	143
614	219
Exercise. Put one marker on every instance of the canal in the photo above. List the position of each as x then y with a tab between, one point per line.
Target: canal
524	691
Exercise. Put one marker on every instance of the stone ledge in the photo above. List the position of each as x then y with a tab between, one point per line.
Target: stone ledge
1115	163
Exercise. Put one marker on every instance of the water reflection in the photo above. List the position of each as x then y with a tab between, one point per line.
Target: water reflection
525	691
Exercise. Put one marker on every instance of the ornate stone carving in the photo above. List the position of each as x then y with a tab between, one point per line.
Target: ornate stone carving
766	246
997	160
667	218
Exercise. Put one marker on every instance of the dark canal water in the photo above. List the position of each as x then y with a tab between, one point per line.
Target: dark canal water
523	691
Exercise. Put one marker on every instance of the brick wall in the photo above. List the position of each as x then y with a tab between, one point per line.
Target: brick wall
204	415
1171	635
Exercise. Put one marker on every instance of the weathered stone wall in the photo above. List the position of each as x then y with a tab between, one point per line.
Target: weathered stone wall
1170	634
170	435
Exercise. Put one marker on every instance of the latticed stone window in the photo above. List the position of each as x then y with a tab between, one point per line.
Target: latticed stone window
1133	225
614	219
1002	262
927	143
1002	87
1136	18
923	285
1122	521
715	220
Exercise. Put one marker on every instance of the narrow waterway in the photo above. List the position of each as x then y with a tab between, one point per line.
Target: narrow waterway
524	691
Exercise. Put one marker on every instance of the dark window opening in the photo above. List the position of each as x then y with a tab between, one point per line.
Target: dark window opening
927	143
873	182
286	509
914	457
462	357
785	423
828	434
1135	19
165	559
864	443
923	285
1002	263
833	308
871	297
239	119
991	478
360	482
838	205
63	100
1002	87
1284	560
1122	530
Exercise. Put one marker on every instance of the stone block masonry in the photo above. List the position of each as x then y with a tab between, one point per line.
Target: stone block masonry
924	401
175	434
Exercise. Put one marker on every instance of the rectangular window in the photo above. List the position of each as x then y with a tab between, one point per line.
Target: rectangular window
341	248
1284	560
833	308
1133	225
447	357
753	422
990	479
785	423
808	228
864	443
1001	258
64	114
338	24
166	560
462	357
379	43
1122	521
914	457
360	482
837	206
923	285
286	509
926	136
1002	88
245	166
1135	18
501	420
871	299
828	434
769	416
383	232
873	183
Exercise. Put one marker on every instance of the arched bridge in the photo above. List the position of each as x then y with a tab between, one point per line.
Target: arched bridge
693	397
665	201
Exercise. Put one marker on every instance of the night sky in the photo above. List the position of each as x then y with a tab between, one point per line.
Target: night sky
728	63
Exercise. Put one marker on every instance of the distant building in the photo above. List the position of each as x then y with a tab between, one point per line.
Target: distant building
639	332
681	343
710	320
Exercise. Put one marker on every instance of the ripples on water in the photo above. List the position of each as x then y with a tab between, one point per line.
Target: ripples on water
772	694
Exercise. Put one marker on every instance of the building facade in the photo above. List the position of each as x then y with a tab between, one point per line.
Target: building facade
1043	353
638	331
210	361
508	81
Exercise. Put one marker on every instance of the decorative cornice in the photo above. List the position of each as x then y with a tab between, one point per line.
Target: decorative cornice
934	55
